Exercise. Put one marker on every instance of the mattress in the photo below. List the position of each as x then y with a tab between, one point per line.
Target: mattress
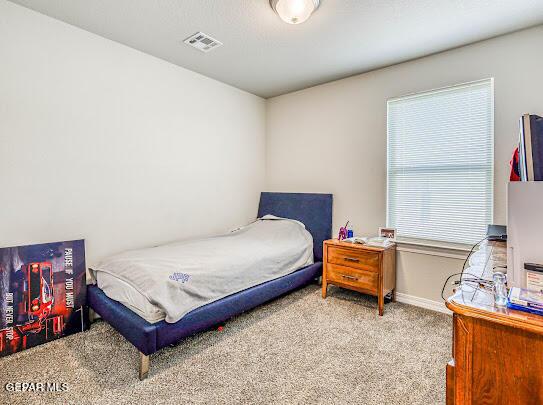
167	282
122	292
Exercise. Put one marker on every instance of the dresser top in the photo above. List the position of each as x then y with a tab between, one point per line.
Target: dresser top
475	301
335	242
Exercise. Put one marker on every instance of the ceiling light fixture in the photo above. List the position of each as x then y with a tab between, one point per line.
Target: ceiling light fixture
294	11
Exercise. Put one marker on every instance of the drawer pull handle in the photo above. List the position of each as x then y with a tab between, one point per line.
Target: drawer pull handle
351	259
349	277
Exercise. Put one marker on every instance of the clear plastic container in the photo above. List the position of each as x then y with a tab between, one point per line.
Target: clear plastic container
500	290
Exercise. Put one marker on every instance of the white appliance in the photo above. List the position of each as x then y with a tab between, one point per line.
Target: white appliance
524	229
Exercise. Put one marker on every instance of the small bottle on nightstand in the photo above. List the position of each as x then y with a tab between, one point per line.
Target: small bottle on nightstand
350	232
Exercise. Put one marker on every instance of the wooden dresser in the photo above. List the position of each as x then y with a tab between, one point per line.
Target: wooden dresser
497	352
366	269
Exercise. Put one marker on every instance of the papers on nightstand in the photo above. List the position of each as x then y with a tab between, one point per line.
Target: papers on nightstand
377	241
356	239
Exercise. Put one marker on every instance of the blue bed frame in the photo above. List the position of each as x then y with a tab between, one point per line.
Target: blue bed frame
314	210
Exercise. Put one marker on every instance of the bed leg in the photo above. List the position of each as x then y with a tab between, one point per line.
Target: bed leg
144	366
92	315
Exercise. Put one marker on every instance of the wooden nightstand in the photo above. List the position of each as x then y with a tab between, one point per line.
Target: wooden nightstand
366	269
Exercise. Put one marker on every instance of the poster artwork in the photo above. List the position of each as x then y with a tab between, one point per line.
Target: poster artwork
42	294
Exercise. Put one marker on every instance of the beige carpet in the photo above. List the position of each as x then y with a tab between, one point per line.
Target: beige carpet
299	349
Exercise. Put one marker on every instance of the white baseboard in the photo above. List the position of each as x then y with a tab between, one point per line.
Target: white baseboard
423	303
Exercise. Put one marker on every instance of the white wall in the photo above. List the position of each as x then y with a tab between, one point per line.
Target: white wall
332	137
102	142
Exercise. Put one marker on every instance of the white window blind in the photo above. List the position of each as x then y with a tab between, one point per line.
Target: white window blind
441	163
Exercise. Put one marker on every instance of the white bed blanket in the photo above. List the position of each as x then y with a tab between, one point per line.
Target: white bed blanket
183	276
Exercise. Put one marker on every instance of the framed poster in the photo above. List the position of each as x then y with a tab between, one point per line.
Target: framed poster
389	233
42	294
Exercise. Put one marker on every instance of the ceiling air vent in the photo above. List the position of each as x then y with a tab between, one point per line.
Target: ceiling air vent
202	41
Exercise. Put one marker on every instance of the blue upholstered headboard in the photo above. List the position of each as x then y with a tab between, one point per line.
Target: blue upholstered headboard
313	210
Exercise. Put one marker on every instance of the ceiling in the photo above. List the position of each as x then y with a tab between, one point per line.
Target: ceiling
267	57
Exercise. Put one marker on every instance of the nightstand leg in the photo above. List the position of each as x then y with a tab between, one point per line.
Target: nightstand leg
323	278
324	261
393	296
381	299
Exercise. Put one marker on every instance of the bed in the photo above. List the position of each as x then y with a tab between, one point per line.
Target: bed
313	210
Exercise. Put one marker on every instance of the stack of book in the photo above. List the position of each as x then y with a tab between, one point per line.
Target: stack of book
525	300
531	148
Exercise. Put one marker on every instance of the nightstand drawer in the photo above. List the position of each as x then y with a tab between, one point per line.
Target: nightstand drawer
356	258
366	280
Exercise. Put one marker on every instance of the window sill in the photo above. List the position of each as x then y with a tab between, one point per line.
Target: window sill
433	248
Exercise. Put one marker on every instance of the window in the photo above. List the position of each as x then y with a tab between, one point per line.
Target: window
441	163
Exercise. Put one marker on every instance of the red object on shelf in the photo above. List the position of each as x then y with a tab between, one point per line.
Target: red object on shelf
514	163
